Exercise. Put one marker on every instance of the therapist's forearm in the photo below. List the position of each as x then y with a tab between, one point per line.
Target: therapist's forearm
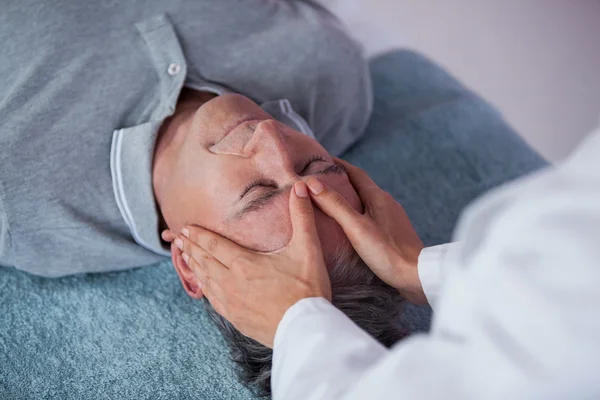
314	326
421	282
430	272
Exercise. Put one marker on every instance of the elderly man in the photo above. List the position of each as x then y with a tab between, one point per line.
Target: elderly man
122	121
90	91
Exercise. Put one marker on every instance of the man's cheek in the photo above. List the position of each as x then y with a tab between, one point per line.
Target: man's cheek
331	235
342	185
264	230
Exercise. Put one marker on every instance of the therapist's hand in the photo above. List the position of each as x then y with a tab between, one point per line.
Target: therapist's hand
383	235
253	290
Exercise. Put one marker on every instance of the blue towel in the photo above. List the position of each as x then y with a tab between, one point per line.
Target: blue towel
431	143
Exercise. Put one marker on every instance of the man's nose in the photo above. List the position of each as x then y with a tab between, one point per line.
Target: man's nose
269	146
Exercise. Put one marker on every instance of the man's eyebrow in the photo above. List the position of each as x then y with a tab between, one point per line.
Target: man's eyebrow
267	197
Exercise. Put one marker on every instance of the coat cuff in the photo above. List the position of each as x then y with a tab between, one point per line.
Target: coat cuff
431	260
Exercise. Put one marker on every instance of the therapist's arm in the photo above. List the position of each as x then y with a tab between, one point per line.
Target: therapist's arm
381	233
516	316
384	237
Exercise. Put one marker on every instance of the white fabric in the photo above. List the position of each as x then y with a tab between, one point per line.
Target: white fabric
516	313
430	270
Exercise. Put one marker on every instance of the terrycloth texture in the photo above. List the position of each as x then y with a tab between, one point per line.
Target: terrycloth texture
136	335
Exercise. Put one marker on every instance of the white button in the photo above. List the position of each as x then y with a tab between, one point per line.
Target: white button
173	69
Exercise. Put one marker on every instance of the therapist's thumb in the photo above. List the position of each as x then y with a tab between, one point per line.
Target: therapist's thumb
303	218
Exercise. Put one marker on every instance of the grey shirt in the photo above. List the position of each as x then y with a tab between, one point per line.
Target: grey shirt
86	85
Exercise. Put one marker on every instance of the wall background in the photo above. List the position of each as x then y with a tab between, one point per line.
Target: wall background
538	61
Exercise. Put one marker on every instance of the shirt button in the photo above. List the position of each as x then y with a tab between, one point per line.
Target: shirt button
173	69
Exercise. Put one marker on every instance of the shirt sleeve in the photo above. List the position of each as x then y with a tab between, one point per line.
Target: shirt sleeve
516	314
5	240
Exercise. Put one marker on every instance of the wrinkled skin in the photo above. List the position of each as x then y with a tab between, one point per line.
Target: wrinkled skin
209	153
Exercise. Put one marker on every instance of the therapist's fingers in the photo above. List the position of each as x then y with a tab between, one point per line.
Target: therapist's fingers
335	205
210	274
383	236
361	181
213	292
216	245
201	262
360	229
303	219
304	256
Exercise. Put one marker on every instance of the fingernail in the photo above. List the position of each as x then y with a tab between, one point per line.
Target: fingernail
315	186
300	188
179	243
186	258
186	232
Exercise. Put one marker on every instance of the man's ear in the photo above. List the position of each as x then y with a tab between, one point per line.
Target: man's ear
186	275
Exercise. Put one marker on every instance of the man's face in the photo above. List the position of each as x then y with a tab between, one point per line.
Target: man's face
233	174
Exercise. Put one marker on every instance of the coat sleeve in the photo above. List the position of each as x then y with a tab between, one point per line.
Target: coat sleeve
516	314
431	270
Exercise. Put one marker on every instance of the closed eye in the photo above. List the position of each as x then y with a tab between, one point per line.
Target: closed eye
328	169
268	196
258	182
313	160
332	169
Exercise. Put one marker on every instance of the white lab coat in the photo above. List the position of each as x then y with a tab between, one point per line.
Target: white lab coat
516	301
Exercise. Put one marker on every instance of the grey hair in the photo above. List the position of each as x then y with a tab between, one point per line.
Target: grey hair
356	291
